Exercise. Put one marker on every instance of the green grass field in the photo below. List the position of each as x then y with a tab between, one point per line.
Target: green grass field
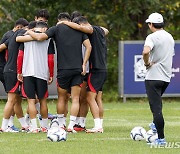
119	119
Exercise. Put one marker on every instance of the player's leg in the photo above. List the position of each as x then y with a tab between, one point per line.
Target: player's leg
66	110
84	107
8	110
61	105
11	119
95	84
19	112
12	88
154	90
11	122
75	94
91	99
75	81
29	91
100	105
44	114
42	94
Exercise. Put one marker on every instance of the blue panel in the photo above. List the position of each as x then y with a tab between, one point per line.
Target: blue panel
134	70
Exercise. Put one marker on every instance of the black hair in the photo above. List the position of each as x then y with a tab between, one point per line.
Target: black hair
42	13
158	25
75	14
32	24
21	21
41	24
64	15
80	19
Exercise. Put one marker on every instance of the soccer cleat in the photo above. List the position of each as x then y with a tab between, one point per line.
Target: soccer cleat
95	130
159	142
44	129
78	128
14	128
23	129
69	130
153	127
36	130
8	130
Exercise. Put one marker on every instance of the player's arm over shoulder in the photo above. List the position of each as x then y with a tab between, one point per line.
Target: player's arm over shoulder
106	31
88	29
24	38
38	36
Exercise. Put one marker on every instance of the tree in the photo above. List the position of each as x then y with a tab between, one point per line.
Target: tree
124	19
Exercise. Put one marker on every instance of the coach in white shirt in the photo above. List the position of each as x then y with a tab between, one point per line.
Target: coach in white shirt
158	56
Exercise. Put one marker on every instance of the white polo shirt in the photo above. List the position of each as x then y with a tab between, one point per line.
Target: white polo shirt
162	52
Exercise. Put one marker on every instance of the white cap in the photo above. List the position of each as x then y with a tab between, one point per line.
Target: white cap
155	18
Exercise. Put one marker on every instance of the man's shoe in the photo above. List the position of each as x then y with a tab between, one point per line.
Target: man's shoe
10	130
78	128
44	129
69	130
94	130
34	130
153	127
25	130
159	142
14	128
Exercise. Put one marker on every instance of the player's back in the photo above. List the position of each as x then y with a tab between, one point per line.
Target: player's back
5	37
13	46
35	59
98	57
69	47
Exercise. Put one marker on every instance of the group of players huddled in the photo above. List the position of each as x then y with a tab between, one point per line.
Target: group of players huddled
27	67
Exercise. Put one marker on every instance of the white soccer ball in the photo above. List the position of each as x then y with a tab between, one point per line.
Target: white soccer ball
54	127
138	133
57	136
151	137
53	137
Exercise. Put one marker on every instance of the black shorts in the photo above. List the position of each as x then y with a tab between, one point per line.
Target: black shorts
69	78
11	83
33	86
96	81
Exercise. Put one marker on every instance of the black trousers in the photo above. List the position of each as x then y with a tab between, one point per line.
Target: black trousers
154	90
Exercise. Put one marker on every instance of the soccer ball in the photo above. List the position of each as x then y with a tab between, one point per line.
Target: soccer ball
55	133
138	133
57	136
150	136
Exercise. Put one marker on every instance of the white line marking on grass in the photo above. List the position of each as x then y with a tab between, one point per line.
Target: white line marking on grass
94	139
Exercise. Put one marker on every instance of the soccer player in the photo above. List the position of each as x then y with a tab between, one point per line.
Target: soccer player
70	65
36	65
3	57
158	56
41	15
98	69
11	82
83	109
